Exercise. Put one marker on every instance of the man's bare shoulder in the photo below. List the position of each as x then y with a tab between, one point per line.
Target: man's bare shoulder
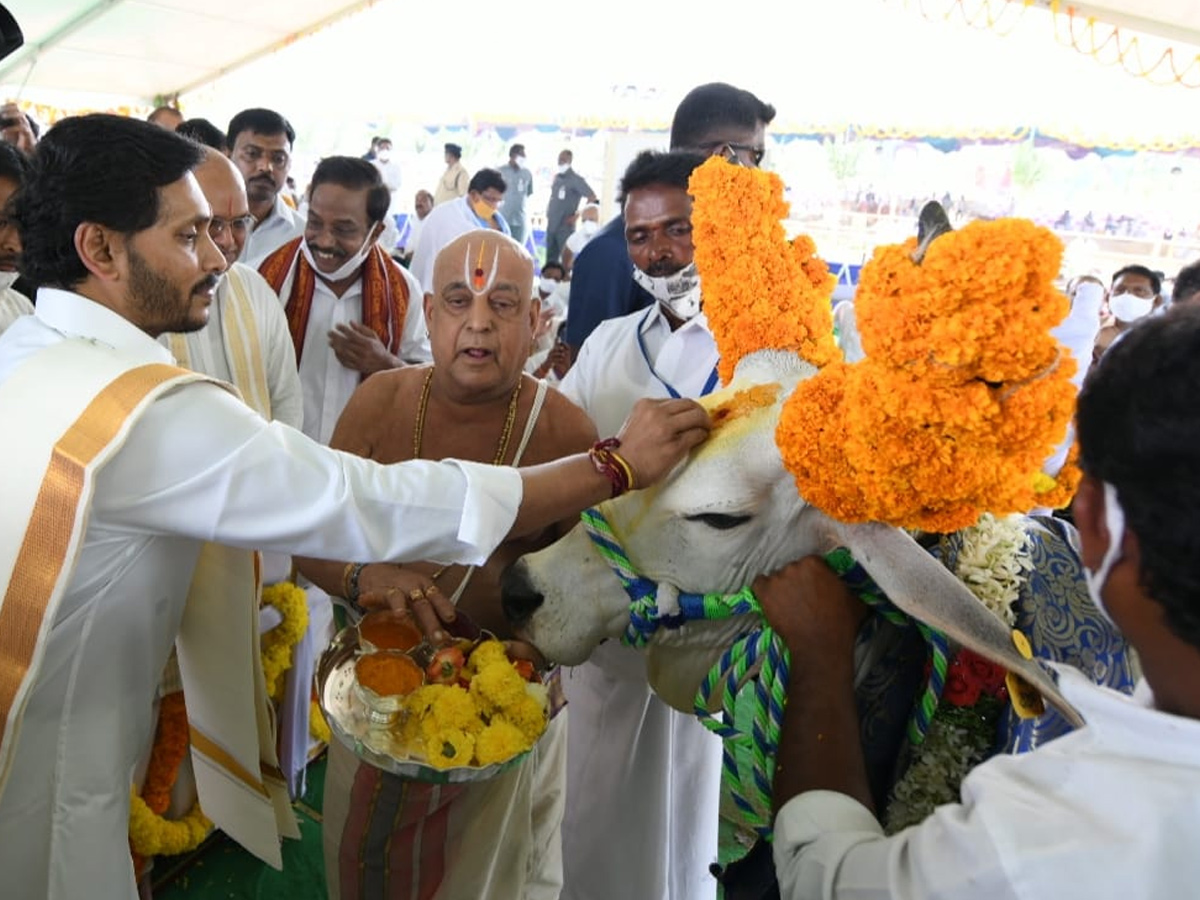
567	428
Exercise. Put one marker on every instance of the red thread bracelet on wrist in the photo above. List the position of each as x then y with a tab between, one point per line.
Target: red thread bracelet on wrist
611	465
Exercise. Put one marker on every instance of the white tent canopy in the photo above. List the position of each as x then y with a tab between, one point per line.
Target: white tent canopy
142	49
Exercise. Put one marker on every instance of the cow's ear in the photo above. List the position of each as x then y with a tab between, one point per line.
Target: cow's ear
923	588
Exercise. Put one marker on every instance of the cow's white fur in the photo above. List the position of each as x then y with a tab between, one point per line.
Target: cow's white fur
737	472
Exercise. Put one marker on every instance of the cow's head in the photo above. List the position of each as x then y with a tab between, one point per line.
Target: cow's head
730	514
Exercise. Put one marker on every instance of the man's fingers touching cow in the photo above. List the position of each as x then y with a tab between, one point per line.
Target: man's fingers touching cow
658	434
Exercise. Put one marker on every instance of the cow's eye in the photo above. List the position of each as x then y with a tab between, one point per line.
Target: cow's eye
719	521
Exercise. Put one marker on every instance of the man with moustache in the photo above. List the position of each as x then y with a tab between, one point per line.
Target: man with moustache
349	306
643	780
13	303
260	145
120	465
246	341
498	839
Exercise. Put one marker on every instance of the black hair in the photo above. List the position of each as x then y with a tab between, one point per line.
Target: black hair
516	150
159	110
14	165
203	132
654	167
1187	283
714	106
266	122
554	265
98	168
1155	278
1139	430
484	179
354	174
454	150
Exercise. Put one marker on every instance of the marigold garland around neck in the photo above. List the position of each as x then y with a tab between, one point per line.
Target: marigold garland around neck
760	291
279	643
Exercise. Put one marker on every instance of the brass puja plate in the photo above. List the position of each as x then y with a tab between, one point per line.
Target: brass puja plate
369	736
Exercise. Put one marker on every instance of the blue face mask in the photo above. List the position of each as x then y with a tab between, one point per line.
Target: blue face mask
1114	520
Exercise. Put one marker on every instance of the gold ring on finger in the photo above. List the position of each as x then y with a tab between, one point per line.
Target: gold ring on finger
432	589
416	594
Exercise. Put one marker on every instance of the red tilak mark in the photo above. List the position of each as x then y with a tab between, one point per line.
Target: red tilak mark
478	279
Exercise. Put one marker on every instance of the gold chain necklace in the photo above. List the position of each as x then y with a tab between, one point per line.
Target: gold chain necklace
501	450
505	434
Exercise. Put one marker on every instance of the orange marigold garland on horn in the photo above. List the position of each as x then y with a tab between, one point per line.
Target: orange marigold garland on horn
760	290
964	392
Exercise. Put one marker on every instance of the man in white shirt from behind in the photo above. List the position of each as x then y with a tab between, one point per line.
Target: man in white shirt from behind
260	145
93	600
643	780
1110	810
13	304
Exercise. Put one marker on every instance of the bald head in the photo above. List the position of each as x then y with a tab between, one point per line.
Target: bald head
481	316
225	192
482	260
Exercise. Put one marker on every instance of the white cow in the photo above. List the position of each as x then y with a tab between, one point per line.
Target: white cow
730	514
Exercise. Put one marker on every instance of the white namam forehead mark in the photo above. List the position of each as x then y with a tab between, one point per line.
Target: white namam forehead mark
473	271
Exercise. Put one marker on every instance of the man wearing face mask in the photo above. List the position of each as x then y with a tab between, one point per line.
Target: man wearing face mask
518	184
389	172
585	230
480	208
712	119
1109	810
348	305
567	189
1136	293
642	779
13	304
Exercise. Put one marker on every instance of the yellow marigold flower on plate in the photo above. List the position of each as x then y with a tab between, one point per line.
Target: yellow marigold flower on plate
448	748
497	686
487	652
499	742
528	714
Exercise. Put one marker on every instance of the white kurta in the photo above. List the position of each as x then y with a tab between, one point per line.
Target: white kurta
283	224
325	383
210	356
1111	810
13	305
643	780
197	466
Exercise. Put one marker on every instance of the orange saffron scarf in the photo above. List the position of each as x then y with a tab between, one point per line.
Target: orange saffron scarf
384	298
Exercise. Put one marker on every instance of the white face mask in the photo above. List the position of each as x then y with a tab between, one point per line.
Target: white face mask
1114	521
383	155
7	279
350	266
562	169
1130	307
548	285
680	293
520	160
587	227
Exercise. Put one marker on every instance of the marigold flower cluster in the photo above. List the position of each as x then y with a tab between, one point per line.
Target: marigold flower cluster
760	291
280	641
498	715
963	394
150	834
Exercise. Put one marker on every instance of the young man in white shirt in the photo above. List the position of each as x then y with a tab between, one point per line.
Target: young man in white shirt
119	466
1110	810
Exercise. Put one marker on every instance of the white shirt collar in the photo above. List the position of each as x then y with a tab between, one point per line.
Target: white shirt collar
74	315
1127	723
658	320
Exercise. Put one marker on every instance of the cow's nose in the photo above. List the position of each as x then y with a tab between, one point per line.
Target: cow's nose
518	597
